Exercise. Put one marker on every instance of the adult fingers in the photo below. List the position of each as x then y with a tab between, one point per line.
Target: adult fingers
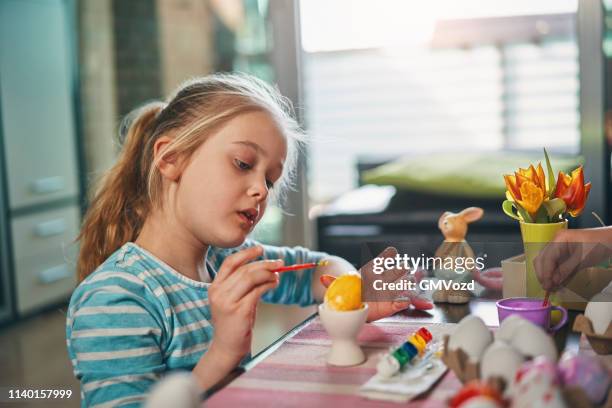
379	310
495	272
567	268
234	261
420	303
545	265
412	296
489	278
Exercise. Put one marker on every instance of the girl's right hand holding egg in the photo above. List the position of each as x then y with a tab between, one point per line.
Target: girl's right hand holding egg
233	298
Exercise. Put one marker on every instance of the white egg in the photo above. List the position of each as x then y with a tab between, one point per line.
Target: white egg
472	336
532	341
508	327
500	360
599	312
536	390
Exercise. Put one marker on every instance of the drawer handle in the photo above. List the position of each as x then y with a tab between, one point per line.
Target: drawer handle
48	185
54	274
50	228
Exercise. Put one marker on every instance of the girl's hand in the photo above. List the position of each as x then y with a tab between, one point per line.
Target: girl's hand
233	297
379	310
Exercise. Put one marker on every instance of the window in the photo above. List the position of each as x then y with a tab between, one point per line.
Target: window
388	78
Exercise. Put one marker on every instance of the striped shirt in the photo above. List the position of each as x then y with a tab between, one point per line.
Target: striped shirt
135	318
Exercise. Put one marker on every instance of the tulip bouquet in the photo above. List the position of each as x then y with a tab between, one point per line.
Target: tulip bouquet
533	198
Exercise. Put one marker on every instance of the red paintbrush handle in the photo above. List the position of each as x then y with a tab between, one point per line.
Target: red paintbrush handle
295	267
546	296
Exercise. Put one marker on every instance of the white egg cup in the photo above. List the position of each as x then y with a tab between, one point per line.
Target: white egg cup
343	328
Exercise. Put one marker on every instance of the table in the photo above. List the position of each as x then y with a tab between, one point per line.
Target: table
292	371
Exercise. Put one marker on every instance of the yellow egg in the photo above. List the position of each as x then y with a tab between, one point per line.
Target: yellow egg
344	293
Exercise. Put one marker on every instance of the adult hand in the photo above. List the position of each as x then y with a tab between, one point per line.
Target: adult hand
379	310
233	297
491	278
389	303
569	252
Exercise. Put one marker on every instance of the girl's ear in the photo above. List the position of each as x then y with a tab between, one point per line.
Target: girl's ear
168	165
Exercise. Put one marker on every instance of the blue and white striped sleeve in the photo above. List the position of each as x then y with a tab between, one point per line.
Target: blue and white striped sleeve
295	287
114	342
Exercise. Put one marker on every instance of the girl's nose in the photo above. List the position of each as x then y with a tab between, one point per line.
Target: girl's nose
259	190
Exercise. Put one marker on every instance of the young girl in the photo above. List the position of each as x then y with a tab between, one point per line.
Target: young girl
168	277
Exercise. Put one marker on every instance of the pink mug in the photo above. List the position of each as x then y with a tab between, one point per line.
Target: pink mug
530	309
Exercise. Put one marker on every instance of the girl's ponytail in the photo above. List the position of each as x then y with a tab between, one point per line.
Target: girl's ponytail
121	203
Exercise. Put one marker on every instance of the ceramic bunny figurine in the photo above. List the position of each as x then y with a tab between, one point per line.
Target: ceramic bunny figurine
454	228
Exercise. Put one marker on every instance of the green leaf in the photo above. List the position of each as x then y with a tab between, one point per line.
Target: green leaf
554	208
541	217
550	180
508	207
524	214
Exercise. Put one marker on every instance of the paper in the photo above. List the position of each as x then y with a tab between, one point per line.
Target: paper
406	385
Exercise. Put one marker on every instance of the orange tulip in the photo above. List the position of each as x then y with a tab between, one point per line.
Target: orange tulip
527	187
572	190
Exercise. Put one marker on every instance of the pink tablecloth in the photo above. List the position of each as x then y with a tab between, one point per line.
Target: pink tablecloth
296	375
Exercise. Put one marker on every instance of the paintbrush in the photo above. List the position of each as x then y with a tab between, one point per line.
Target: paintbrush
301	266
546	296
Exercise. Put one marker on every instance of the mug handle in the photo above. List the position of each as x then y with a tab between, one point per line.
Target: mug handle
563	319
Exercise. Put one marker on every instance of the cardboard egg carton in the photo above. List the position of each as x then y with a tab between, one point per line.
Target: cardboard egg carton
459	362
465	370
601	343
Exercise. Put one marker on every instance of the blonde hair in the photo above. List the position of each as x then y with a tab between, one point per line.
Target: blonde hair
133	186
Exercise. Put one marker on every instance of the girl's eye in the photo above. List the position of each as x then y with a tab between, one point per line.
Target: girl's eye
242	165
246	166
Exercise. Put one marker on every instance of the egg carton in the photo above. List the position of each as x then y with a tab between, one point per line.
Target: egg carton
465	370
601	343
459	362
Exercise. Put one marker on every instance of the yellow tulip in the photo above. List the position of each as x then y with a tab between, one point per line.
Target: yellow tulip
532	197
527	187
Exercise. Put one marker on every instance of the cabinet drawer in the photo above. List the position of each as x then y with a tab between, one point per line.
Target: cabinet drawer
36	99
45	256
